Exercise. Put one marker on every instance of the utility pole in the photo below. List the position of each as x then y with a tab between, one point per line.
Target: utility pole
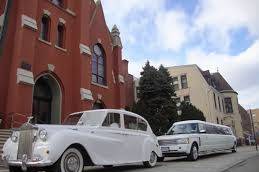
253	127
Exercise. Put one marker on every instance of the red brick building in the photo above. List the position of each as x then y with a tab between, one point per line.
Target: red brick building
58	57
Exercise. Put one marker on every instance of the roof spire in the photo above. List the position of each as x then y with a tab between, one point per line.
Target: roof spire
115	33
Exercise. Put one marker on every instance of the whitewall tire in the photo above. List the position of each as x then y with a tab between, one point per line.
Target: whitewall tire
152	160
71	161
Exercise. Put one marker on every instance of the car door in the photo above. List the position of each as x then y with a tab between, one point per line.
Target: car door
111	145
134	139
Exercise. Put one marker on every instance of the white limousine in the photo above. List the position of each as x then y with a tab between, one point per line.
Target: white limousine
194	138
100	137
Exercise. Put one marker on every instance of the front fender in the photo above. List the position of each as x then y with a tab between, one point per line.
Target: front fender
150	145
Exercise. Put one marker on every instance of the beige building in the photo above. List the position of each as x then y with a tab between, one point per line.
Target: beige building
255	115
210	93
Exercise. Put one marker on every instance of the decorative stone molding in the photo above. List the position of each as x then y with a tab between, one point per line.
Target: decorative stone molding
85	49
25	77
29	22
46	12
116	40
51	67
121	79
113	77
61	20
99	40
86	94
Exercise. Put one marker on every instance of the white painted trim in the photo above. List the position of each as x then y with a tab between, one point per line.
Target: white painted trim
99	85
29	22
25	77
84	49
61	20
86	94
121	79
62	49
47	12
43	41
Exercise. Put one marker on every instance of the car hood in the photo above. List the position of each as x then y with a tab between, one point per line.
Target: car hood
170	137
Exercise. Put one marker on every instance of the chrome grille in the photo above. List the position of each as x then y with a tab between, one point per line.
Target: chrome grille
25	144
167	142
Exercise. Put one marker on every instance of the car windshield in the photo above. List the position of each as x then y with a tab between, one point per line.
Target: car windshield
183	129
72	119
87	118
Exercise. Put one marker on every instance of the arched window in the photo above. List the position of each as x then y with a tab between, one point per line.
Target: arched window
61	35
98	65
45	28
58	2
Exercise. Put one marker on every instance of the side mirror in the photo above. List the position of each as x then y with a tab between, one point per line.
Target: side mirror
202	131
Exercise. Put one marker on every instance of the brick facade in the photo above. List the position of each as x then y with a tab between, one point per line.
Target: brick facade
25	59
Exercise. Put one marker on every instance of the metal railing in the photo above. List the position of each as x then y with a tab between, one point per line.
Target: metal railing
8	120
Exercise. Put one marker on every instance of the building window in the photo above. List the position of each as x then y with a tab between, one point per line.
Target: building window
186	99
184	82
61	35
228	105
217	120
219	104
175	83
45	28
98	65
59	3
215	102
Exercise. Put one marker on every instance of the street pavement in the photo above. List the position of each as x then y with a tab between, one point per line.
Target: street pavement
246	159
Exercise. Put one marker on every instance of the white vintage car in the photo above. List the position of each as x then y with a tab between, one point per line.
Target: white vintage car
99	137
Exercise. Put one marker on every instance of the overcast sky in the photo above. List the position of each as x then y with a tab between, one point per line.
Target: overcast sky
213	34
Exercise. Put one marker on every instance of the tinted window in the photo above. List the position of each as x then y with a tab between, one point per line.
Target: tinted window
210	129
112	120
142	125
130	122
183	129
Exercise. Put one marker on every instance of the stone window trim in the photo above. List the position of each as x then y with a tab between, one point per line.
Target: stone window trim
100	85
45	42
60	48
84	49
61	36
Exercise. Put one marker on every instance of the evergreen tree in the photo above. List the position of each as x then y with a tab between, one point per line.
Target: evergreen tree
155	98
190	112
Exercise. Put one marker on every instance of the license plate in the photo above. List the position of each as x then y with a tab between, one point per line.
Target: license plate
165	149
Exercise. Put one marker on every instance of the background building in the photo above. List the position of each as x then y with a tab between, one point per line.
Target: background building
210	93
246	123
58	57
255	115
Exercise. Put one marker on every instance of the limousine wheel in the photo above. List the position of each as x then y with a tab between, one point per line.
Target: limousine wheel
194	154
234	149
152	161
71	161
160	159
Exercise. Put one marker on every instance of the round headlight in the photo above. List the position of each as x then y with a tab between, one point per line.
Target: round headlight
14	137
43	135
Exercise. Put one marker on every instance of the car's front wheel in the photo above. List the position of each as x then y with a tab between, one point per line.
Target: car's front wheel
234	149
152	160
194	154
71	161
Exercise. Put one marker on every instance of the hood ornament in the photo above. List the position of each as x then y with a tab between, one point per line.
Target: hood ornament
29	119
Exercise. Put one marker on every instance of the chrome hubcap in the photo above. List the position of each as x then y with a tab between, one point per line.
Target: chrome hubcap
72	163
152	158
195	152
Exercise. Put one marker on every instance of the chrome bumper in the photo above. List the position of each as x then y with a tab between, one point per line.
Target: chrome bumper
24	163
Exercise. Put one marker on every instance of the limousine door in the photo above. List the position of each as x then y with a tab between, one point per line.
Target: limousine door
206	140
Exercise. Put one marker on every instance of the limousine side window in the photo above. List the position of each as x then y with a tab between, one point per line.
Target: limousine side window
130	122
112	120
142	125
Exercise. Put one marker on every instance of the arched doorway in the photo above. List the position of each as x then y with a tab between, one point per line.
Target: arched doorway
47	100
99	105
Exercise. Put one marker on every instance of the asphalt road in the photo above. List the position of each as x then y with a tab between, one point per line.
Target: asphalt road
212	163
245	160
